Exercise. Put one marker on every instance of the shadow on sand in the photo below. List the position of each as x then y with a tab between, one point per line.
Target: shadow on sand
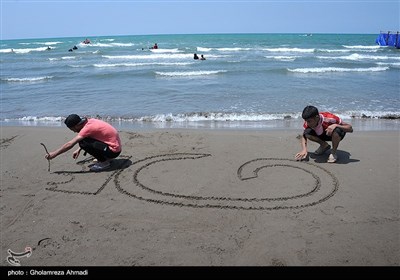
116	164
343	157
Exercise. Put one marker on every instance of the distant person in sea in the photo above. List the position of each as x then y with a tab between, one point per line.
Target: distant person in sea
195	56
155	46
70	50
75	48
322	127
48	48
96	137
202	57
86	41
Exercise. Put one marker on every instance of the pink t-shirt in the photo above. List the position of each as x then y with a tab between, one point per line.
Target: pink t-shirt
102	131
325	120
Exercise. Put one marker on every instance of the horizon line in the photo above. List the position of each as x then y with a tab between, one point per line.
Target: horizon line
217	33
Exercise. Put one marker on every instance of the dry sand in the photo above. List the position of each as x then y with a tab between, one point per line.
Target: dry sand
201	198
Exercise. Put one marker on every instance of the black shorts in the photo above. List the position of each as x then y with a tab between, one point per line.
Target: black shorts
323	136
97	149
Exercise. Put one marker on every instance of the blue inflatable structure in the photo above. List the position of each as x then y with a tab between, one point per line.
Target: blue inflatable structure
389	39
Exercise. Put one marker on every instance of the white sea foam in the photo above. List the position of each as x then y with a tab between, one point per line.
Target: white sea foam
189	73
336	69
216	116
369	114
62	58
288	50
78	65
359	57
364	50
333	50
41	119
363	121
393	64
165	51
361	47
283	58
42	43
150	56
201	49
105	45
103	65
232	49
51	43
27	50
27	79
6	50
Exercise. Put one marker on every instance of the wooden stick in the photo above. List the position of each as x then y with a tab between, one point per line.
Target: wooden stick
48	160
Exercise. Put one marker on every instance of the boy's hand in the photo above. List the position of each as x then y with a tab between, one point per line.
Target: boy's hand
330	129
75	155
50	156
300	156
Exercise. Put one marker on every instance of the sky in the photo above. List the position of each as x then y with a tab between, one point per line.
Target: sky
26	19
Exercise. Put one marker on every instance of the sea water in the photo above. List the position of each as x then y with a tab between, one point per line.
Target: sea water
260	81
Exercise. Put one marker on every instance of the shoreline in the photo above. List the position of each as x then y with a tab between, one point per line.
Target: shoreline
185	197
366	124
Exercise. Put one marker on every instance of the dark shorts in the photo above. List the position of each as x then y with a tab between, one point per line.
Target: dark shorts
323	136
97	149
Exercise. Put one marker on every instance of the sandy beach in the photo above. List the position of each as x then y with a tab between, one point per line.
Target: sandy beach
201	198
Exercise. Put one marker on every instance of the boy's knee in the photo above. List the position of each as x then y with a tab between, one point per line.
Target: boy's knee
338	132
307	133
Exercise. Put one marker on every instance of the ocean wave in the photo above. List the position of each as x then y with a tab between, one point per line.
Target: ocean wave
393	64
103	65
282	58
216	117
336	69
366	114
62	58
104	45
201	49
165	51
27	50
42	43
27	79
150	56
39	119
359	57
333	50
233	49
6	50
78	65
288	50
189	73
362	47
255	117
